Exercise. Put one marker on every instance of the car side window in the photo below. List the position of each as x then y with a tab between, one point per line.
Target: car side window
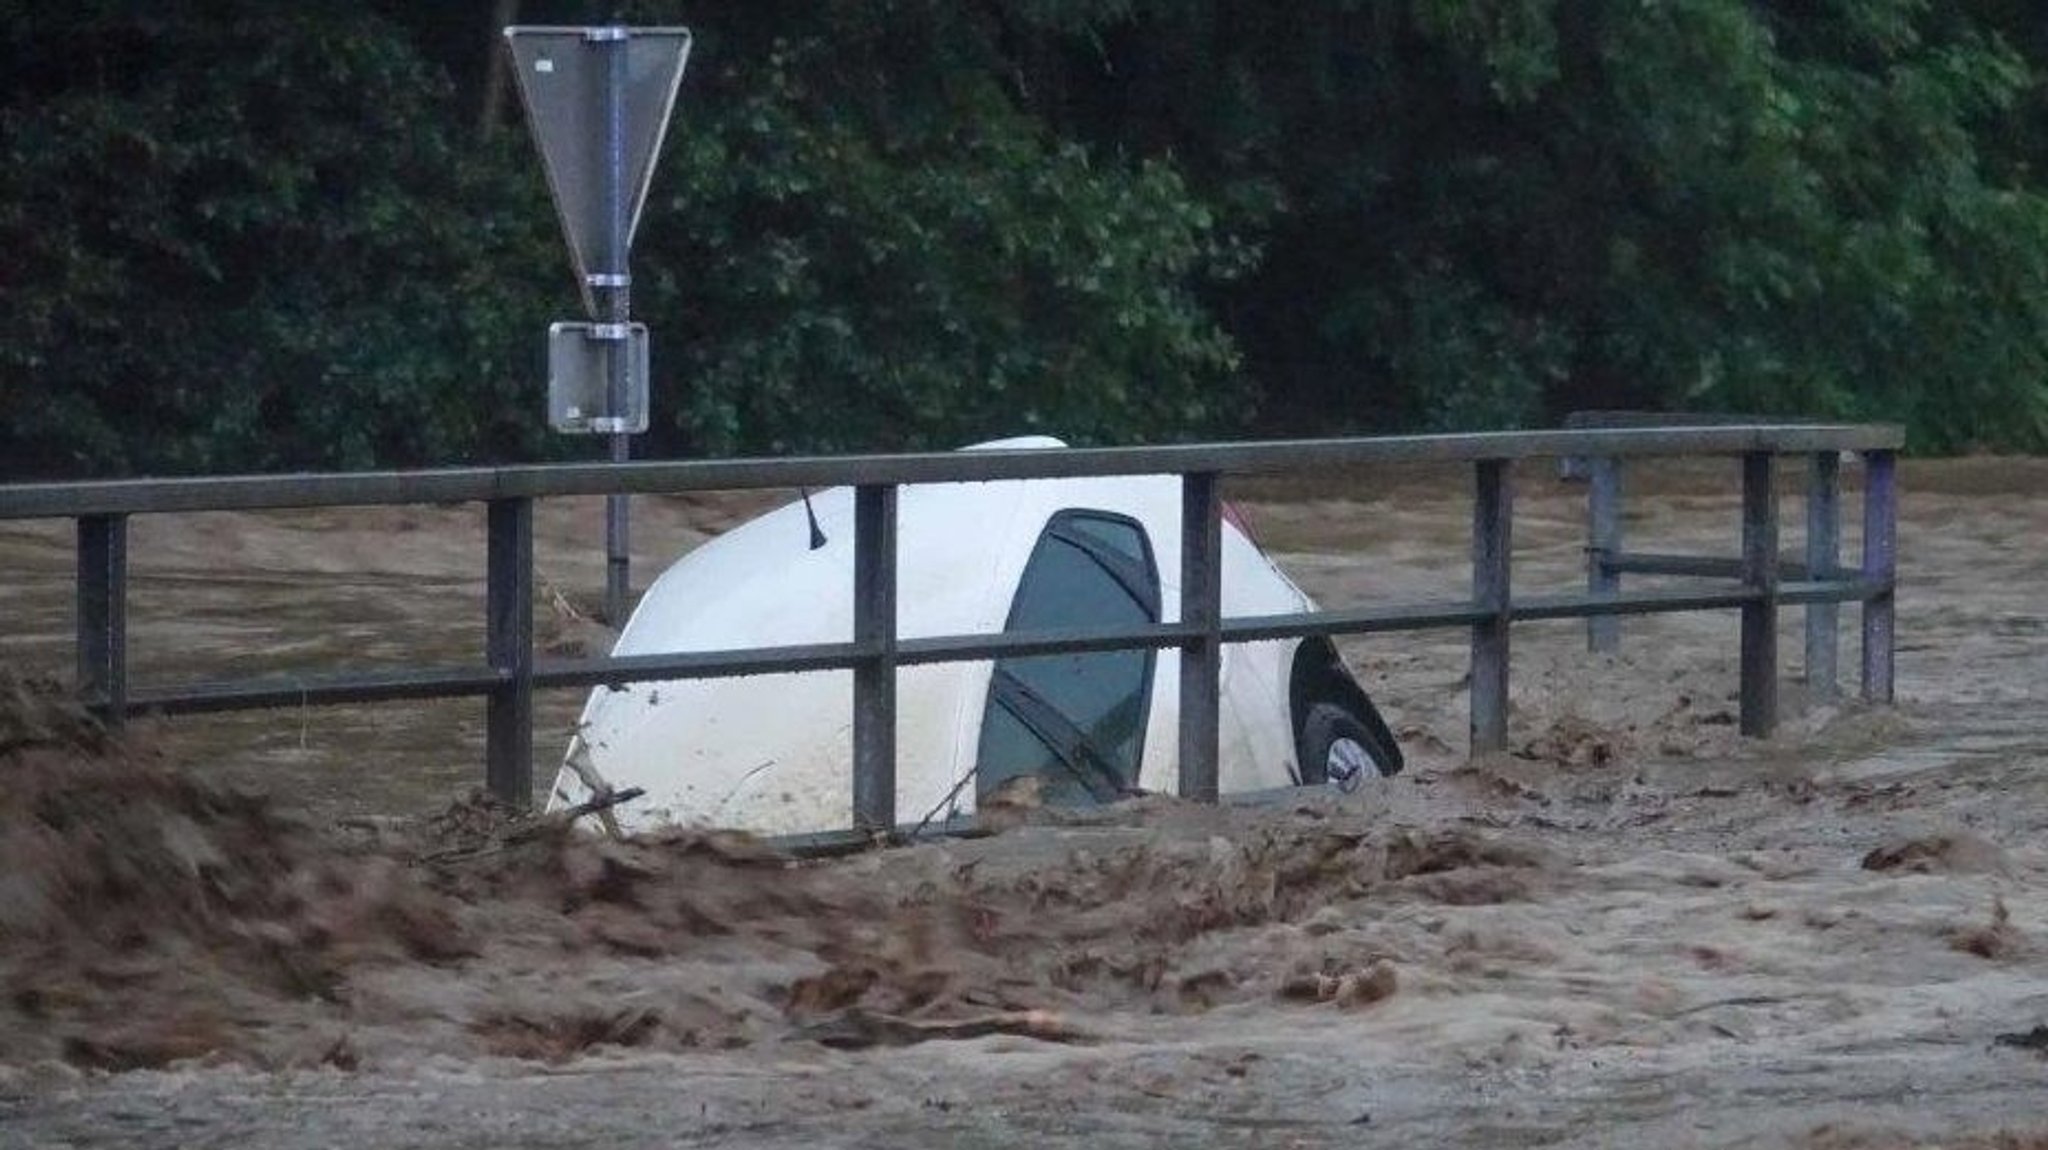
1077	721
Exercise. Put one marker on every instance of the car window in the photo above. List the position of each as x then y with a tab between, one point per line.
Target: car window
1075	720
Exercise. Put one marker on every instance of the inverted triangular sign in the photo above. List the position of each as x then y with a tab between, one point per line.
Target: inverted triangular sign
563	82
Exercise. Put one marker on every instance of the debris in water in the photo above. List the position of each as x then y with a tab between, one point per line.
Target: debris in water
1954	853
1998	939
2035	1040
1349	989
149	916
860	1029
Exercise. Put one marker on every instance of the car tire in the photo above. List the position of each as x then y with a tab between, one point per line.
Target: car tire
1338	745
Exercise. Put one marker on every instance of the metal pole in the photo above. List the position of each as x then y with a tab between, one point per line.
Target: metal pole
1760	574
1823	561
874	680
1492	548
1201	658
102	615
508	647
616	285
1603	543
1880	566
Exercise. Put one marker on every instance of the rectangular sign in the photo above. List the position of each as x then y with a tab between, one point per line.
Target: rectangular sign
579	379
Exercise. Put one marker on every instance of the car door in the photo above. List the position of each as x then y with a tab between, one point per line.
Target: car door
1074	720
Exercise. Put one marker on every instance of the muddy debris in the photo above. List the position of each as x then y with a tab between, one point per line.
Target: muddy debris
1573	741
1839	1138
861	1029
148	917
1350	989
559	1037
2035	1039
1683	729
39	713
1956	852
1997	939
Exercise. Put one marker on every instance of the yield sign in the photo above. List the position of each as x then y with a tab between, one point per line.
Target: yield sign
565	82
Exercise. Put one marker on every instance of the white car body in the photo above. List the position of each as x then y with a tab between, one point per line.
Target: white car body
771	753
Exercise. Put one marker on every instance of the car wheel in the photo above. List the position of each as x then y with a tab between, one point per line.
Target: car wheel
1340	748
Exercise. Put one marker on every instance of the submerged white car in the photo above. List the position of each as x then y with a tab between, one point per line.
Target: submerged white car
772	753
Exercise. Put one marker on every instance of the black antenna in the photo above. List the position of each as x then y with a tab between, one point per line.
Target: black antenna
817	534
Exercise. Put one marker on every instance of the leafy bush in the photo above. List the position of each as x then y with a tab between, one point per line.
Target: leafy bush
243	238
825	281
252	242
1496	211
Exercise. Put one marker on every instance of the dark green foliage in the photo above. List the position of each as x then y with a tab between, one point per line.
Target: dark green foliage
241	238
251	236
1496	211
839	264
245	237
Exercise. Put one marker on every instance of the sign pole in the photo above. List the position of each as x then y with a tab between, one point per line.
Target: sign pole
598	100
617	514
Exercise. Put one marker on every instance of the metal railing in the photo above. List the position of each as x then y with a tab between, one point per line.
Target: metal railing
510	672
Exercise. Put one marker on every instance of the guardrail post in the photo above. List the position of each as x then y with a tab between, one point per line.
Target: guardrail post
1603	543
1760	574
1880	566
1492	545
508	646
874	680
1201	658
1823	562
102	615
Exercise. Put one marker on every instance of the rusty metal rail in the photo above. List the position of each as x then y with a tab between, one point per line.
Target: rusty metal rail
510	671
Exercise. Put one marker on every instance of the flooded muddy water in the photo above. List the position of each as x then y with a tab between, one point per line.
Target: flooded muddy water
1634	929
225	596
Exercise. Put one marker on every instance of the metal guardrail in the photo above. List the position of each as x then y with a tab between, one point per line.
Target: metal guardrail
510	672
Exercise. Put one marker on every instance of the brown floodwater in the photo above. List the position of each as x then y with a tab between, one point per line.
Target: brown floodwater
237	596
1636	928
218	596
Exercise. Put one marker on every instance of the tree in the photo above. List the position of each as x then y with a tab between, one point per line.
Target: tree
845	255
248	239
1492	211
245	239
